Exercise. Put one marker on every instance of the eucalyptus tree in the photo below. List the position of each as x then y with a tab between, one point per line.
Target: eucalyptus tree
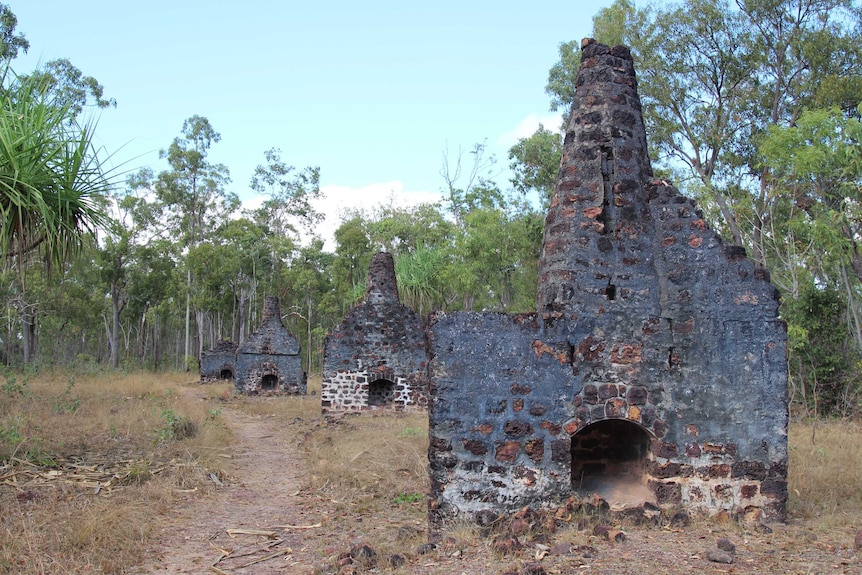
313	308
401	230
10	41
250	239
534	162
493	262
193	199
353	256
288	214
72	87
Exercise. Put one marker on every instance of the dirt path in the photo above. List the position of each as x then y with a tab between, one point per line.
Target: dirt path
245	522
252	525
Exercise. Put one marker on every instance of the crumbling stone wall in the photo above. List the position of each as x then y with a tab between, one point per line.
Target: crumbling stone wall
269	361
376	357
219	363
644	318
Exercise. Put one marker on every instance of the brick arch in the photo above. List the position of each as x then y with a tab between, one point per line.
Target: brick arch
633	403
575	426
381	372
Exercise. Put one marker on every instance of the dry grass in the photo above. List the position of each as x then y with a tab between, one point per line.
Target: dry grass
133	432
824	472
365	461
370	469
370	458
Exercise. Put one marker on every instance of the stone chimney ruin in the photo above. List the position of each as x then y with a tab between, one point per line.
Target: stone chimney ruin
654	370
375	359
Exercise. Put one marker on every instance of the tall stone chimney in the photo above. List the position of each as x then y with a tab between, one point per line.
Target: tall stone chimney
381	285
271	310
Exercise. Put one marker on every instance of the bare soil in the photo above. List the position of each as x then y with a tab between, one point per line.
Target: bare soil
264	520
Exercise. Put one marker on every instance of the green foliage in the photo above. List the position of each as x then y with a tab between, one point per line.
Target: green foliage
174	427
418	274
822	362
10	439
535	162
190	363
71	87
51	175
411	432
10	42
407	498
290	195
67	403
11	386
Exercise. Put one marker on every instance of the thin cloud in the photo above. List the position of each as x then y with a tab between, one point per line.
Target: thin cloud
528	127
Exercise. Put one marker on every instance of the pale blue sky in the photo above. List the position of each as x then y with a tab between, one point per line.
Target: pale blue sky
370	92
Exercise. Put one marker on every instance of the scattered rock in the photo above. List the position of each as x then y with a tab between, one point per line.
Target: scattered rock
425	548
533	569
719	556
549	525
858	541
680	519
407	532
726	544
506	545
363	555
762	528
362	551
447	544
587	551
397	560
519	527
487	520
561	549
602	531
646	514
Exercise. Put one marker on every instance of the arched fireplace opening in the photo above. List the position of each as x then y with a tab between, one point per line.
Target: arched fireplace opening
269	382
609	458
381	393
226	374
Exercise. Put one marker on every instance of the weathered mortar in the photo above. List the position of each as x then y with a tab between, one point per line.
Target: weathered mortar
644	317
269	360
376	357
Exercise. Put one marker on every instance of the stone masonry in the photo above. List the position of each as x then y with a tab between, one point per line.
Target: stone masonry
375	359
656	356
269	361
219	363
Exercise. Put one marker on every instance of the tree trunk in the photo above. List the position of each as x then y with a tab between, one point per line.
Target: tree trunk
115	326
308	323
28	330
243	307
188	319
142	335
199	318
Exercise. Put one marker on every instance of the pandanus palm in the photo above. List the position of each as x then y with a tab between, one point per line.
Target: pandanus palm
51	180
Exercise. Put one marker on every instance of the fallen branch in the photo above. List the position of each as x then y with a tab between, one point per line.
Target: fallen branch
273	555
269	534
315	526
